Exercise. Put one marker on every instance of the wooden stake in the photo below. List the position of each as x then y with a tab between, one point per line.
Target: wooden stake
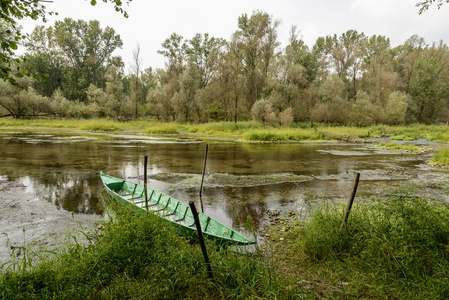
351	199
202	178
201	239
145	181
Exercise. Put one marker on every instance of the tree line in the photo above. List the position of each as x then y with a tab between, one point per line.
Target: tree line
345	79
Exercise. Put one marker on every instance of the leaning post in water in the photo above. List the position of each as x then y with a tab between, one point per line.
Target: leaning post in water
351	199
200	237
145	180
202	178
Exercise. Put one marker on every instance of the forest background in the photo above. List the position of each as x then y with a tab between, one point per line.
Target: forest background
347	79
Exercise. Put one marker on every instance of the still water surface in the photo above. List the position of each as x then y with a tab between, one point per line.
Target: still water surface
65	171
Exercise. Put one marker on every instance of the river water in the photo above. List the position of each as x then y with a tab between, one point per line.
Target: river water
242	180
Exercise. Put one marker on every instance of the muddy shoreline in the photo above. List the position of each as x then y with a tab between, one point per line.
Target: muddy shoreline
38	225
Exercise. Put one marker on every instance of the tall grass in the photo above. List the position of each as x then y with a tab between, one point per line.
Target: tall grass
170	128
224	127
249	130
392	248
142	257
441	157
400	147
283	135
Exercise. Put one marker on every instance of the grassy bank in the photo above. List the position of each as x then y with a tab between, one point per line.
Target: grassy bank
246	131
396	248
392	248
141	257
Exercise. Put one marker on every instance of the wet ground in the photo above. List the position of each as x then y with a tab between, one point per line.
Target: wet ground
27	221
58	175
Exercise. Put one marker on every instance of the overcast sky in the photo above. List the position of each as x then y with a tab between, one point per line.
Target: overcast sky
151	22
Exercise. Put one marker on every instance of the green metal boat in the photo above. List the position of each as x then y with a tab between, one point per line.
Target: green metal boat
172	210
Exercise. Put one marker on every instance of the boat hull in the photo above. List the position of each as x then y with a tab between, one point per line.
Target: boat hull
171	210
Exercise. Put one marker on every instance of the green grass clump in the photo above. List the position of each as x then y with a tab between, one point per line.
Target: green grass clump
391	248
272	135
441	157
141	256
401	137
399	147
163	129
99	125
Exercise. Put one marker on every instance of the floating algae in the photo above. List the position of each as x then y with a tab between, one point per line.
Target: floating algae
225	179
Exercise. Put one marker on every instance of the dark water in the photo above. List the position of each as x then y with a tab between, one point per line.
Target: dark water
65	171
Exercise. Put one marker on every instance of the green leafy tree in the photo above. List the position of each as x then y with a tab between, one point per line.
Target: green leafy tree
11	12
292	74
379	79
87	52
396	108
347	54
20	103
43	57
429	85
332	105
257	40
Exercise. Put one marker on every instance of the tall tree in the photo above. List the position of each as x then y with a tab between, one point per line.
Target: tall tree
379	79
136	68
429	85
87	52
43	57
11	12
257	38
347	55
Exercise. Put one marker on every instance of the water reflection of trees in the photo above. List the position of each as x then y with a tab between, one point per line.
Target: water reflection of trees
66	173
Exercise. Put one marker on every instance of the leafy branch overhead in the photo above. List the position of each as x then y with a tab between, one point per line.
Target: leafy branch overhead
424	5
11	12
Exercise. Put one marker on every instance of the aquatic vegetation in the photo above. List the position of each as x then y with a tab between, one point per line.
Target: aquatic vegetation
273	135
400	147
246	131
163	129
441	157
401	137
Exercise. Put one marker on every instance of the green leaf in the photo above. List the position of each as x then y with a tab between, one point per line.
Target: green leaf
13	45
93	2
19	75
5	45
46	75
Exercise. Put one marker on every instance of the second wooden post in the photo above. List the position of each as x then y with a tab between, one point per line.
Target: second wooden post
200	237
